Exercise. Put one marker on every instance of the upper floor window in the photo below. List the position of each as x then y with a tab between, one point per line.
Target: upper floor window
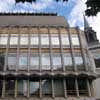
12	59
67	59
23	60
34	60
13	39
55	39
44	39
3	39
78	58
24	39
34	39
64	39
75	39
56	59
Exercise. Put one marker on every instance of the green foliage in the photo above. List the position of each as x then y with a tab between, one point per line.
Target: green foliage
93	7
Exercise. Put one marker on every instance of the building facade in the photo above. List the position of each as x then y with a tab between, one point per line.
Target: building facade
42	57
94	48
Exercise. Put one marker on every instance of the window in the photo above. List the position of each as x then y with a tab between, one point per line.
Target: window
34	61
34	88
10	88
75	39
22	87
44	39
55	39
3	39
23	39
71	89
64	39
46	87
56	61
22	60
82	85
34	39
67	59
58	88
45	61
2	61
14	39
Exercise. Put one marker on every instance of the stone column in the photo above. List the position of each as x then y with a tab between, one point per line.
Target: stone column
3	88
16	85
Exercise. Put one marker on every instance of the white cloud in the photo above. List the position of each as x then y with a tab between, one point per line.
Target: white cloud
76	17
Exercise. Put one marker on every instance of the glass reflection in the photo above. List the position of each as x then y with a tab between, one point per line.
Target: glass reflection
34	88
46	87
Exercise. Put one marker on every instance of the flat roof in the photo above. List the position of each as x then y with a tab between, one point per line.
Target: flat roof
32	20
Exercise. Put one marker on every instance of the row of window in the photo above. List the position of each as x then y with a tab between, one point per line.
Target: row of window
34	61
33	39
34	87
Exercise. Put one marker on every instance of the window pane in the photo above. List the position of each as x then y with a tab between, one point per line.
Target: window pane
58	88
34	60
14	39
64	39
75	39
22	87
56	59
3	39
78	59
46	87
70	84
44	39
24	39
54	39
67	59
45	61
23	60
34	39
34	88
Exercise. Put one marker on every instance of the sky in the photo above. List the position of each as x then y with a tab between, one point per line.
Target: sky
73	11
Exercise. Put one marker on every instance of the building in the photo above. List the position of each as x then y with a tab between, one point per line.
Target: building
94	48
42	57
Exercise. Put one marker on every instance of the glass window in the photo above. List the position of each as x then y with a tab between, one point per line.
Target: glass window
22	87
64	39
23	60
44	39
10	88
67	59
55	39
14	39
45	61
3	39
75	39
82	85
56	59
11	60
34	88
46	87
23	39
34	60
2	61
71	89
78	59
34	39
58	85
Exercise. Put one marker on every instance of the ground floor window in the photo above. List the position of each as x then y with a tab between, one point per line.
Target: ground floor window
45	87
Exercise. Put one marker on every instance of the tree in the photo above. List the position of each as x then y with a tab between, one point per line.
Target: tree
17	1
93	7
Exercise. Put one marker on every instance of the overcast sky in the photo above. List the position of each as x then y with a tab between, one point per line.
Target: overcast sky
73	11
